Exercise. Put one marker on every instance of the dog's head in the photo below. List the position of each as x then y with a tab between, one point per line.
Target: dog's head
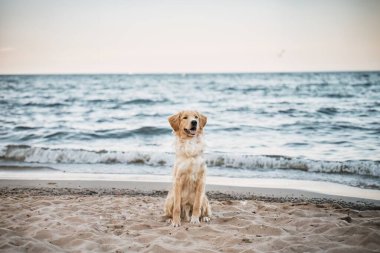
187	124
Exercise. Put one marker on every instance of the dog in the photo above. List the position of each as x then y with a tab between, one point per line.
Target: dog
187	200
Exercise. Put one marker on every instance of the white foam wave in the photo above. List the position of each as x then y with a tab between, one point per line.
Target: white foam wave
359	167
23	153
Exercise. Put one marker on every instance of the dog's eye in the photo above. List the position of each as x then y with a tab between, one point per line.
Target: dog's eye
196	117
185	117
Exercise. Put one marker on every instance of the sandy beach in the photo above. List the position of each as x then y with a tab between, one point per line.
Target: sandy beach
97	220
110	109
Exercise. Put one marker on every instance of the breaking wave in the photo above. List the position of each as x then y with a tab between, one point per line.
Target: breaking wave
25	153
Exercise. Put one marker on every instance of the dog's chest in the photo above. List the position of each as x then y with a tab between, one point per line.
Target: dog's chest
189	160
190	148
191	168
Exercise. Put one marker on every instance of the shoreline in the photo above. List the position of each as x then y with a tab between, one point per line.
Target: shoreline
277	190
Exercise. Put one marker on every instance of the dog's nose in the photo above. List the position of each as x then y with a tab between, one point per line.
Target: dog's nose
193	122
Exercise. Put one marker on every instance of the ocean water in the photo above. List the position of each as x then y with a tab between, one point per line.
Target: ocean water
314	126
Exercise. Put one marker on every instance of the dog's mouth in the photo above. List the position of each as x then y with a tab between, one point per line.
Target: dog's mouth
192	131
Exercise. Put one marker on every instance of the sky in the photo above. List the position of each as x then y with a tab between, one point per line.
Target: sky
142	36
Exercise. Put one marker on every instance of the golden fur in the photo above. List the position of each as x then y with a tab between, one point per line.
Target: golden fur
187	197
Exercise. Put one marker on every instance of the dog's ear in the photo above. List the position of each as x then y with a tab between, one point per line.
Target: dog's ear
202	120
174	121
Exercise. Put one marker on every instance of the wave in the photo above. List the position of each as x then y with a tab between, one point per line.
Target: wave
122	133
25	153
328	110
358	167
24	128
143	101
44	104
339	95
98	134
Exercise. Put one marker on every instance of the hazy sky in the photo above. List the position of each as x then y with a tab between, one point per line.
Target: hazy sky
76	36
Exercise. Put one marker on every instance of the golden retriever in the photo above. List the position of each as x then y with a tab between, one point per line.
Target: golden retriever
187	197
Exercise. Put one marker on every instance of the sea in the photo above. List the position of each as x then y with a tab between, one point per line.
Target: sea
303	126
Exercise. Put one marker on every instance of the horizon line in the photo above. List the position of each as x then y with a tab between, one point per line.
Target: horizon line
190	72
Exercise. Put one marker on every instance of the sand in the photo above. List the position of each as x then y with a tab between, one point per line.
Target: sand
59	220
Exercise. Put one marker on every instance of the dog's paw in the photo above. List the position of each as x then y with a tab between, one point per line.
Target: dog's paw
206	219
194	220
176	223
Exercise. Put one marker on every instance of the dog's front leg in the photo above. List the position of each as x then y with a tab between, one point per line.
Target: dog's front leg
176	222
200	191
